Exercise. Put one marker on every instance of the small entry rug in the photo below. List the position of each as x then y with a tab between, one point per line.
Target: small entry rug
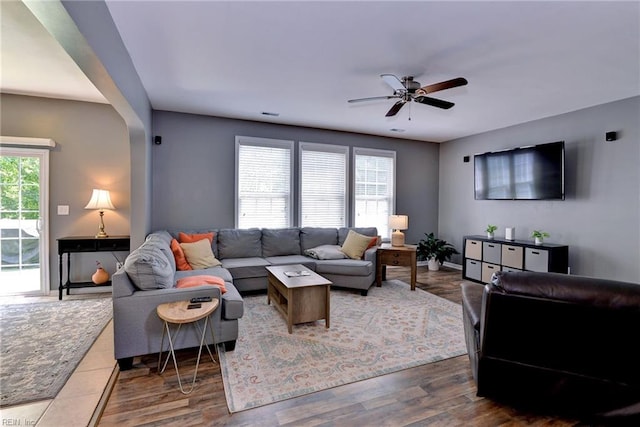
391	329
42	343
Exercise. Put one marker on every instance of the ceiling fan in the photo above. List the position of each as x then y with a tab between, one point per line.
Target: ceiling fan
408	89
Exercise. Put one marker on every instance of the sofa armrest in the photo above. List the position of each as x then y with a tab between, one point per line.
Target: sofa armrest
370	255
472	302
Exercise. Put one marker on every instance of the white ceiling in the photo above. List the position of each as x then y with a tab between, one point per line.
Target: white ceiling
304	60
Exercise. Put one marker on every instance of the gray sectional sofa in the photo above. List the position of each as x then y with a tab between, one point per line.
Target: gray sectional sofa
149	278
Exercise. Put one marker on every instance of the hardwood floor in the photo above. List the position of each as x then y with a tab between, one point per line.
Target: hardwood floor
441	393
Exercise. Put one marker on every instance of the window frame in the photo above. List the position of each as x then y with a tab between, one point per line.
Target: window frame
374	152
270	143
327	148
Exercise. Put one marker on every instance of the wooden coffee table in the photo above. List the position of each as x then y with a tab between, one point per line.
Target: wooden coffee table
300	294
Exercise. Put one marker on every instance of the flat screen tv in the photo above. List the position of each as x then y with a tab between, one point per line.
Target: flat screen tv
526	173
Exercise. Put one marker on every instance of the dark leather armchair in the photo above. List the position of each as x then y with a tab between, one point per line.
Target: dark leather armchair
566	343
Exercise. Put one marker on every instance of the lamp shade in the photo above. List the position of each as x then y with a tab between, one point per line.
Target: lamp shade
100	199
398	222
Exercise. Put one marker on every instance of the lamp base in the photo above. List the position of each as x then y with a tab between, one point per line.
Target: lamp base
101	234
397	238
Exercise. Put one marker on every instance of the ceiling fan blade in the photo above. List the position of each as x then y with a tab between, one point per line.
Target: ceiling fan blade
394	82
373	98
459	81
434	102
396	107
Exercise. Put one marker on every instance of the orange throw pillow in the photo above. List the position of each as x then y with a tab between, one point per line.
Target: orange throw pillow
192	238
178	254
193	281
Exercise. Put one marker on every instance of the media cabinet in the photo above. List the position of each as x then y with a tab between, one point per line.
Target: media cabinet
483	256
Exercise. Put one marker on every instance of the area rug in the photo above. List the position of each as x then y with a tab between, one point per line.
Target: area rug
42	343
391	329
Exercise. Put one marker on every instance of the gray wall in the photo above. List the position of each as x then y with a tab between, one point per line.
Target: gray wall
600	218
193	170
109	67
92	151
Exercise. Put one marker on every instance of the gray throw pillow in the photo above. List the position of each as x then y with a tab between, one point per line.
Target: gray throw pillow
325	252
148	268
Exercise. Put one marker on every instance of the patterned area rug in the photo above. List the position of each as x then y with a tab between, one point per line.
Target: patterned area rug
42	343
391	329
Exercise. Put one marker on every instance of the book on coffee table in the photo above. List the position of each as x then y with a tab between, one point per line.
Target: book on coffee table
298	273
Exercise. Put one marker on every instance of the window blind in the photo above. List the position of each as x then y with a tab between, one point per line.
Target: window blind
323	185
263	183
374	189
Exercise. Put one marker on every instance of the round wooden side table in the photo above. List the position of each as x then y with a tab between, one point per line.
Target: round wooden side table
177	313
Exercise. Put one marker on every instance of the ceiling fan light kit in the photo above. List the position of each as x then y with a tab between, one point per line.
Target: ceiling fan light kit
407	89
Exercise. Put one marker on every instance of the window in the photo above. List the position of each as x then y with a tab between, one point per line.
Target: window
323	185
374	185
263	182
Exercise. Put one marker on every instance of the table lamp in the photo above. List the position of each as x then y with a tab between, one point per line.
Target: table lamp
101	200
397	223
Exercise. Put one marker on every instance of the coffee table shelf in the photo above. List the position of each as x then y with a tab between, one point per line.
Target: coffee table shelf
299	299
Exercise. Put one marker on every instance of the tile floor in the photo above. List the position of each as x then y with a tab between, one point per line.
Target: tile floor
80	400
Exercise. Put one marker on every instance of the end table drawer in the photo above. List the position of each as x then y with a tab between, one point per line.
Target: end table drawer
79	245
395	258
113	245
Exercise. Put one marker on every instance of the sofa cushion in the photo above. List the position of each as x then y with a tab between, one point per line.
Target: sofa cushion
200	280
292	259
239	243
243	268
178	254
311	237
148	268
199	254
355	244
280	241
326	252
345	267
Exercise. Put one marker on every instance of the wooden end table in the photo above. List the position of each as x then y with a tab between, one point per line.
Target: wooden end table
300	298
397	256
178	313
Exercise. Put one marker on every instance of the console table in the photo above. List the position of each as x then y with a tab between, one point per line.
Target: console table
69	245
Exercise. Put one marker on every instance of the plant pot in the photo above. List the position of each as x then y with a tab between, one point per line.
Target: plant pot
538	240
433	264
100	276
489	235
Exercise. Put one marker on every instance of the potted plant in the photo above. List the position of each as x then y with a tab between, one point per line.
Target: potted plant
490	230
539	236
435	251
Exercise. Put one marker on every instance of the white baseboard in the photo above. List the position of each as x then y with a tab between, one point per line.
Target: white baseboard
445	264
452	265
